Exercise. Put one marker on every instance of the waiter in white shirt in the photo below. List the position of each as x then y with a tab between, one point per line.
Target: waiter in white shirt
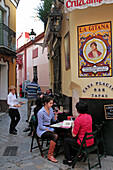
13	110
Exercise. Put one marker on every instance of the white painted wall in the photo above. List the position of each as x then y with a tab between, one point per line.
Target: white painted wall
3	81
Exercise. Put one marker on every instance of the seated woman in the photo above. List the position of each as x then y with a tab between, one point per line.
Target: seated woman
82	124
45	115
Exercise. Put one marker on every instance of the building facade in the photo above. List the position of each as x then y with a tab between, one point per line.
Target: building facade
83	50
33	63
7	48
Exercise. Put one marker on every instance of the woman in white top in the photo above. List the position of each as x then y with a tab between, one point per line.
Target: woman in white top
13	110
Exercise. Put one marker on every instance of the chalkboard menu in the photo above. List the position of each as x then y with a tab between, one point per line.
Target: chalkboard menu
108	111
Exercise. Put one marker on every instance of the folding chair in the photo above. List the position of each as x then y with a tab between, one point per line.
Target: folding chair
39	141
100	139
87	150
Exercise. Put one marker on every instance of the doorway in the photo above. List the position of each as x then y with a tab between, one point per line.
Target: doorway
3	81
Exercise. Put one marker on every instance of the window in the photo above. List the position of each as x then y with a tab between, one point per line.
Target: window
35	72
1	16
1	27
35	53
67	50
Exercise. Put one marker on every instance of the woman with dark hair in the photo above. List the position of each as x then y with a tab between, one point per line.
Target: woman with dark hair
82	124
45	115
94	53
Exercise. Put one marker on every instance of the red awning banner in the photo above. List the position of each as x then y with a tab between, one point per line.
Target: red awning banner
19	59
70	5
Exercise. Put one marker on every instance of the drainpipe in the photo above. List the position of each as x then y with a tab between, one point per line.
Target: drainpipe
25	65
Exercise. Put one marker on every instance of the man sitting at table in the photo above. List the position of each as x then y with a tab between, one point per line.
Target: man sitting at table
82	124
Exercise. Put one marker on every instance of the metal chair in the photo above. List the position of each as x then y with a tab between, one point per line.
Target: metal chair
100	139
83	149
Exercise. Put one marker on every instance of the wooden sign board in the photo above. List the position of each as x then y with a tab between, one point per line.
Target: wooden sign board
108	111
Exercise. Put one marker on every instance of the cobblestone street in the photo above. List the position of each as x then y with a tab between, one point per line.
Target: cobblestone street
26	160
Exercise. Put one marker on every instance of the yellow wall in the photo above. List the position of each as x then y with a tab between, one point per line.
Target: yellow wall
12	15
12	70
66	74
12	25
70	78
12	74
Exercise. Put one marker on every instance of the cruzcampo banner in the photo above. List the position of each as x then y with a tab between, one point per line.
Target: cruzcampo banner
95	50
70	5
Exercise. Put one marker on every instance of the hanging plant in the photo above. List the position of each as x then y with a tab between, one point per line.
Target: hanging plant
43	11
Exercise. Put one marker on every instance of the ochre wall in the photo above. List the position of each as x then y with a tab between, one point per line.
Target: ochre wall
12	25
70	79
11	70
12	15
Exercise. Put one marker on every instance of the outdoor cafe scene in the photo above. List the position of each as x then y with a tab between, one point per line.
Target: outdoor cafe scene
55	132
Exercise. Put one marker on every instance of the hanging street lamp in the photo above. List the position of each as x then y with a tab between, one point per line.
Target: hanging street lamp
32	35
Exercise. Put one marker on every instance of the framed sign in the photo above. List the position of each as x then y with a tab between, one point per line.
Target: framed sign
67	50
108	111
94	50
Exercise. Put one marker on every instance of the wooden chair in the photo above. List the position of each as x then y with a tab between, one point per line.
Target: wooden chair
100	139
83	149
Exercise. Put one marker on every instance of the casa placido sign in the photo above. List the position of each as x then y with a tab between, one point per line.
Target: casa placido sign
70	5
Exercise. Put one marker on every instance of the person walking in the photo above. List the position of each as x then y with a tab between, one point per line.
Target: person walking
32	90
14	114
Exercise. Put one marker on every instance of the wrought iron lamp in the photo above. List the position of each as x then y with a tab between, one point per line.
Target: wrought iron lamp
55	19
32	35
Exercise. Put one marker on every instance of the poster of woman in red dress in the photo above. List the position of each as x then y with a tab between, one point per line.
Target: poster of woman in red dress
94	53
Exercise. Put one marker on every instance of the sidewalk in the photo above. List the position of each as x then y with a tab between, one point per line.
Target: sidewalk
24	159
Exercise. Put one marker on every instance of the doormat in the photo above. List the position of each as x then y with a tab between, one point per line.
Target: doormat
10	151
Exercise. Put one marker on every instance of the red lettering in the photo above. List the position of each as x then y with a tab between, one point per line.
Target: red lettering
96	27
83	29
107	26
102	26
68	4
81	3
73	3
91	1
88	2
91	28
99	27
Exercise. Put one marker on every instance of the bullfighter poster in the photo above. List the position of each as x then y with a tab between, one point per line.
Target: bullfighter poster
94	50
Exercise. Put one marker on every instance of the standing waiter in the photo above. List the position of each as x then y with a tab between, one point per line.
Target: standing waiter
14	114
